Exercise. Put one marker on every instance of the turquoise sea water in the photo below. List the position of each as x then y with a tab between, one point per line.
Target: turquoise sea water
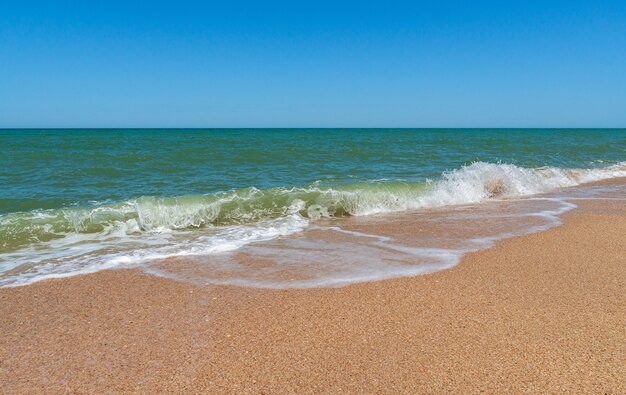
49	169
85	190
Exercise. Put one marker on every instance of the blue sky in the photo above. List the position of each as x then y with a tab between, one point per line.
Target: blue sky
313	64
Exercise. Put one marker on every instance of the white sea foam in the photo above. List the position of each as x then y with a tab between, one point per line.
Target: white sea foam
483	181
86	253
346	256
58	243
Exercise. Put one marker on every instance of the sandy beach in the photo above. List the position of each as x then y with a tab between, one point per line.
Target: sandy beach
542	313
313	198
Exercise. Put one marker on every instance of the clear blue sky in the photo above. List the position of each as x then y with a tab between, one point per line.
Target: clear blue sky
313	64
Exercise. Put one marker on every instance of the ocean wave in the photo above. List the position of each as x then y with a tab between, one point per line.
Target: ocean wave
473	183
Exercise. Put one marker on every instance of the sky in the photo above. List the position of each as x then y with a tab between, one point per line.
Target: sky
108	64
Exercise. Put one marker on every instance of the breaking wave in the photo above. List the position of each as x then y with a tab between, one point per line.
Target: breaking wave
41	244
474	183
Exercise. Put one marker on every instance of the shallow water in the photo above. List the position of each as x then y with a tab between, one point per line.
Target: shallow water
276	208
344	251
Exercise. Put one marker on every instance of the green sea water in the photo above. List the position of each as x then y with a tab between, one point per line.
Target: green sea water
67	186
48	169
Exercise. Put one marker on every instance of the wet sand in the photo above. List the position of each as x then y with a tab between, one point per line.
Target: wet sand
542	313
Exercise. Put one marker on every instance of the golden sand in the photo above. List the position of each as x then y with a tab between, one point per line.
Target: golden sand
542	313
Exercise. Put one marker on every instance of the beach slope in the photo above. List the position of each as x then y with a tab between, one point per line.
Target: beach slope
541	313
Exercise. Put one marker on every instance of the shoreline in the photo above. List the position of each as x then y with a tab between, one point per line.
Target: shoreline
531	314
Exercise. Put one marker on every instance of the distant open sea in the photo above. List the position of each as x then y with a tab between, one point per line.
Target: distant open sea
77	201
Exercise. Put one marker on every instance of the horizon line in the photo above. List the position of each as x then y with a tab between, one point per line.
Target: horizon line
312	127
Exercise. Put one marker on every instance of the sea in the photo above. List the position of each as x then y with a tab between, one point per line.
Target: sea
285	208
